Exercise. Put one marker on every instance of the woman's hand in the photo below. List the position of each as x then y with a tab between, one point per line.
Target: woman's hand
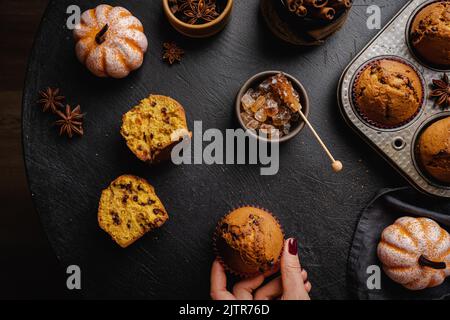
293	283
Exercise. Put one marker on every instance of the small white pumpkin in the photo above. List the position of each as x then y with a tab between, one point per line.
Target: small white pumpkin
110	41
415	252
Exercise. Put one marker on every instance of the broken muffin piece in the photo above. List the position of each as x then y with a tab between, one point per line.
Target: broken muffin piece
129	208
154	127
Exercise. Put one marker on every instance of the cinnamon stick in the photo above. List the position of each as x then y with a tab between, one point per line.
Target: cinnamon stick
340	4
326	13
293	5
316	3
302	11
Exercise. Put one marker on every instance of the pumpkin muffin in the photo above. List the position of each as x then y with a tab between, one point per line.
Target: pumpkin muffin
434	150
154	127
129	208
249	241
388	93
430	33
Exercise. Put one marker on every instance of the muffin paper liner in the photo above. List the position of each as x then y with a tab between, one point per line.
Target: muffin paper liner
361	113
221	259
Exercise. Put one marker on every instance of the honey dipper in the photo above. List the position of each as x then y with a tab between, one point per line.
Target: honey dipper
335	164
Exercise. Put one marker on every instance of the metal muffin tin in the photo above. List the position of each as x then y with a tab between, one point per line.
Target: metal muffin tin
396	145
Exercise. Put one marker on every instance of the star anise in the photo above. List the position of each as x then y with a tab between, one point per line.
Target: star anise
201	11
51	100
71	121
180	5
441	91
172	52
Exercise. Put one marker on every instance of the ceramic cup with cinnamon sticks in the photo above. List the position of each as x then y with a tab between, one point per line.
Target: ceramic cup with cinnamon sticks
305	22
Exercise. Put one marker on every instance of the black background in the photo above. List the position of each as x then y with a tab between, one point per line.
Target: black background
313	204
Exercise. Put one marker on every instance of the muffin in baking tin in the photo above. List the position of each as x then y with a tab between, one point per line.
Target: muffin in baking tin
429	34
433	150
388	93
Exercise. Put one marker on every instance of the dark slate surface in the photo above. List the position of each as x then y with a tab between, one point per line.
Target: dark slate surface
66	177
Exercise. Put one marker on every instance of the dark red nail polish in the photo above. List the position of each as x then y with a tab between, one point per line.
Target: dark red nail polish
293	247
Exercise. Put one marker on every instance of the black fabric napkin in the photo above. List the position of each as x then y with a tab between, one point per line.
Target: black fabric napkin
388	206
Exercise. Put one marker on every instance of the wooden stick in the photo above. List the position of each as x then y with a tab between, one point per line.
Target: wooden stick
336	165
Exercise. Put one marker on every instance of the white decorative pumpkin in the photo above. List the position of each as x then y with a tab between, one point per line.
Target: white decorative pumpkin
415	252
110	41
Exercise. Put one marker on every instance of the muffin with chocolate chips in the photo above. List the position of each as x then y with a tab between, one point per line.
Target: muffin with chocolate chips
249	241
388	93
154	127
430	33
434	150
129	208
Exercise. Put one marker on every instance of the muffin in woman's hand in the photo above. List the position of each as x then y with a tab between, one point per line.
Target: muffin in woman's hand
430	33
249	241
129	208
434	150
154	127
388	93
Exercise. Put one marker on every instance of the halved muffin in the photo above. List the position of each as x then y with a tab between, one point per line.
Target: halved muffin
129	208
154	127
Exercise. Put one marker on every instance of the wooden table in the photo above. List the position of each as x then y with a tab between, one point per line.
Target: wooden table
29	269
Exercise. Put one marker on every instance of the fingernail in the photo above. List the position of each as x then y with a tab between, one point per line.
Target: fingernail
293	246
